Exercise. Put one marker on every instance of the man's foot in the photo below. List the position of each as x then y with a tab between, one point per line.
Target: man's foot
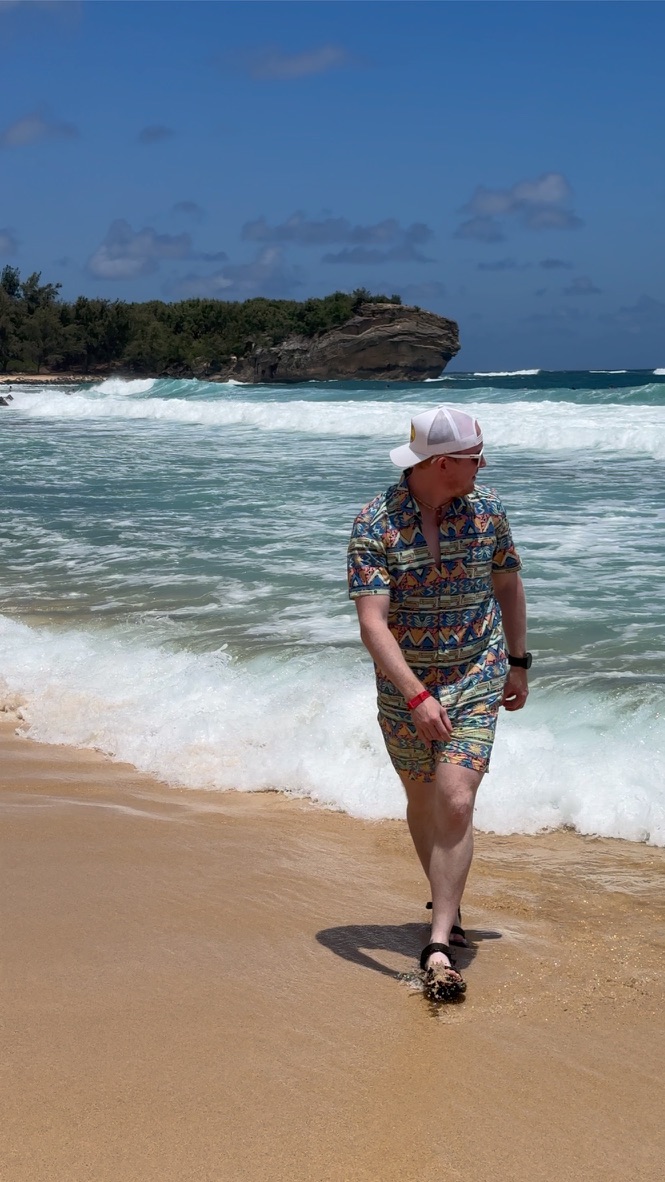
440	977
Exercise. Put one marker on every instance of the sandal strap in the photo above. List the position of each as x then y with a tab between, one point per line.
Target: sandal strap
459	911
431	948
456	929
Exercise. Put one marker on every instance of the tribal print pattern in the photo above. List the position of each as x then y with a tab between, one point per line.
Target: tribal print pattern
473	719
445	619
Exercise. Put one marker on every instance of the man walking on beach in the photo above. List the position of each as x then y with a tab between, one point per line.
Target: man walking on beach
434	575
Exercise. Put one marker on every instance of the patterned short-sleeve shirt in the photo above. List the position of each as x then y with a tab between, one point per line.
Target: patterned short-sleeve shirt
444	618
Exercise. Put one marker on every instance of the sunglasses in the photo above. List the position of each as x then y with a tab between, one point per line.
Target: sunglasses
477	457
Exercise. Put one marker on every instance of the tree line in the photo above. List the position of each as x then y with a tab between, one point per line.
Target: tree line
41	332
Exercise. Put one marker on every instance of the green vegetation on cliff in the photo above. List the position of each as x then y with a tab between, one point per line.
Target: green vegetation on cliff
39	331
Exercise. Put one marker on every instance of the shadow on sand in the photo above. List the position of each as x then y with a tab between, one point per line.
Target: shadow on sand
354	942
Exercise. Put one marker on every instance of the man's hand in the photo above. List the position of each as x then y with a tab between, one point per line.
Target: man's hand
431	722
516	689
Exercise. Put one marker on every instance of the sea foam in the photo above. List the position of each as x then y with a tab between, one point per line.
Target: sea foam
545	426
506	373
306	725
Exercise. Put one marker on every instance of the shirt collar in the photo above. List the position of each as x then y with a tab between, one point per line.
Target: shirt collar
409	505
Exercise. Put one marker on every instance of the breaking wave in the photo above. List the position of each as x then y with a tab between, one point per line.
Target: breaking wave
545	426
190	719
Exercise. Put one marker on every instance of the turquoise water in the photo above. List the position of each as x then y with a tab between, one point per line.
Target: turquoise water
172	584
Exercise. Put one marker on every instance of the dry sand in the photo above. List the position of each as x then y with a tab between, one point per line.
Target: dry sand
206	986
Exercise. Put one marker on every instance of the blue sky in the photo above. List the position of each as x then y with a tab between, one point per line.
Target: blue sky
500	163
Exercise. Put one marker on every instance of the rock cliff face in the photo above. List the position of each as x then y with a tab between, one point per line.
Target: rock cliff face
381	342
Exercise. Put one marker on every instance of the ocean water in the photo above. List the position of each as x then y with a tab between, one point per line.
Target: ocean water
172	584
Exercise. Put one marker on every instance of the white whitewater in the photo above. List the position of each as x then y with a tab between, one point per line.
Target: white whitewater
173	555
191	719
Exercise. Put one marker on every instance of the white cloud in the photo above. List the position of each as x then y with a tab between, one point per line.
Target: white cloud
561	319
582	285
400	243
304	231
481	229
155	133
66	8
276	65
506	264
8	243
32	128
540	204
405	252
47	5
555	264
190	208
129	254
266	275
215	286
646	313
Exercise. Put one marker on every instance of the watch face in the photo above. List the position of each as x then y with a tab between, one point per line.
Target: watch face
528	660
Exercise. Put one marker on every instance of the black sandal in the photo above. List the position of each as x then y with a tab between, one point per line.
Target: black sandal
456	929
442	982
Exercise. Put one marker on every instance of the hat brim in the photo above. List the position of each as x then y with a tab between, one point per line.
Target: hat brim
405	457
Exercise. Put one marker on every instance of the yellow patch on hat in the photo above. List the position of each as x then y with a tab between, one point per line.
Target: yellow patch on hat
413	433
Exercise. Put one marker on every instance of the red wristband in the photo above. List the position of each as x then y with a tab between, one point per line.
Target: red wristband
418	699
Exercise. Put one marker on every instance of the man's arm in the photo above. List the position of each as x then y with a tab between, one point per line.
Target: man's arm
429	718
509	593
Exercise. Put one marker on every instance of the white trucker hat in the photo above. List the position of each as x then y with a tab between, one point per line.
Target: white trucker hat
444	431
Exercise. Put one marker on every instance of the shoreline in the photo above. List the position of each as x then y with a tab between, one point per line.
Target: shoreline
207	986
56	379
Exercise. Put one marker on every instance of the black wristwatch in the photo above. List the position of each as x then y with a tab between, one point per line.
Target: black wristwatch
521	662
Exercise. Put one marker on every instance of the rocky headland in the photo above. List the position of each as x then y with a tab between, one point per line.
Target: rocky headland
380	342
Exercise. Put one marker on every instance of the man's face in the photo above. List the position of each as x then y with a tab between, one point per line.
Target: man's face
461	470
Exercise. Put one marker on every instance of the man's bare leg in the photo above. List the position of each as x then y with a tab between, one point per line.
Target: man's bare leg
440	819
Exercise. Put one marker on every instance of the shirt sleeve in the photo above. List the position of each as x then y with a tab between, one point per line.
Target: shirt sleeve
505	558
367	562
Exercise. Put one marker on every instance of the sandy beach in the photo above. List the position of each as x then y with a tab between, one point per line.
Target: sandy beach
44	379
209	986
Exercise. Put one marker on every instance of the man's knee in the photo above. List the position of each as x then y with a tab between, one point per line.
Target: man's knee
455	808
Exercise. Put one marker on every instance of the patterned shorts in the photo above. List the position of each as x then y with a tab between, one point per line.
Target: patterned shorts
473	721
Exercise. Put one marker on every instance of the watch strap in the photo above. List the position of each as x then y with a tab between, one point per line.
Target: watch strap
521	662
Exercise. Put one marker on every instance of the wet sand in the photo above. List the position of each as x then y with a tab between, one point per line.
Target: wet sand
204	986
